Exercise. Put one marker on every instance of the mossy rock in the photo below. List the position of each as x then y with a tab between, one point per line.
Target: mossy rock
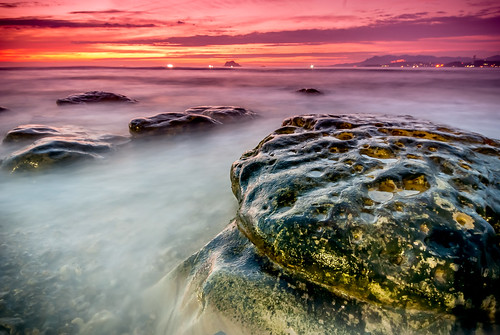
386	210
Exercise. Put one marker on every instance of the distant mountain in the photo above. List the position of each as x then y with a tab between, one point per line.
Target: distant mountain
394	60
495	58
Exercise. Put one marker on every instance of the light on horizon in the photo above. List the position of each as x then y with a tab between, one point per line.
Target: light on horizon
170	66
210	66
312	66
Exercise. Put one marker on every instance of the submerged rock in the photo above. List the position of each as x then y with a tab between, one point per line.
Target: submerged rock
170	124
55	146
31	132
3	109
223	114
195	118
94	97
309	91
353	224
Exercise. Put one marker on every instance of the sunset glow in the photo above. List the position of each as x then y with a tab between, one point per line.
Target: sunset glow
254	33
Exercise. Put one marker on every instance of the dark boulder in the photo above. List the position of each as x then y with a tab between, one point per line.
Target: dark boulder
94	97
196	118
351	224
3	109
309	91
224	114
393	211
32	132
170	124
55	146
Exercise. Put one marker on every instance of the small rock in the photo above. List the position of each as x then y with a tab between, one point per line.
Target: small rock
55	146
224	114
195	118
94	97
170	124
232	63
32	132
309	91
3	109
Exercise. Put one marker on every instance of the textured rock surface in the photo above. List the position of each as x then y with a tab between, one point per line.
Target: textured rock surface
390	211
224	114
94	97
55	146
31	132
195	118
170	124
230	287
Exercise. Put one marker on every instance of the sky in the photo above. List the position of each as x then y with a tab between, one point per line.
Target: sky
250	32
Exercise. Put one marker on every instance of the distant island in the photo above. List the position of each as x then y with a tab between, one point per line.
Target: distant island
424	61
232	63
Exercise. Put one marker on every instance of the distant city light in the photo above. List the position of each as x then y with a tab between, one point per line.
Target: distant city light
312	66
170	66
210	66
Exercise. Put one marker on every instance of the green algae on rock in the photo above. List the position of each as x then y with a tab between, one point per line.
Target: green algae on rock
230	287
386	210
55	146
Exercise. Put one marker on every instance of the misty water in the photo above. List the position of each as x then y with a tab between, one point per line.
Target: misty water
80	245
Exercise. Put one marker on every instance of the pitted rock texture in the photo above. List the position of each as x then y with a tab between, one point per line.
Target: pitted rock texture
231	281
55	146
94	97
195	118
388	210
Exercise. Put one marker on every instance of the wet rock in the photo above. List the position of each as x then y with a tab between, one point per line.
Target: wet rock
350	225
391	211
231	287
309	91
94	97
3	109
12	325
223	114
55	146
31	132
196	118
170	124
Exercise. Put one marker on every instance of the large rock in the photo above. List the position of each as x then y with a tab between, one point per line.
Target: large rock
397	212
94	97
351	224
231	287
55	147
195	118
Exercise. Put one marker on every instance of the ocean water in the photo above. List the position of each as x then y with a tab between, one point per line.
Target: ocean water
80	245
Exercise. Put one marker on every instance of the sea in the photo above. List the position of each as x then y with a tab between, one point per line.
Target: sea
80	245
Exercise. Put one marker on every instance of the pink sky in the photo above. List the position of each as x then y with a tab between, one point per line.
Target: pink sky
251	32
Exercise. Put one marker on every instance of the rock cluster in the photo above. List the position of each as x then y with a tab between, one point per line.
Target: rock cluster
202	117
94	97
48	146
364	224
